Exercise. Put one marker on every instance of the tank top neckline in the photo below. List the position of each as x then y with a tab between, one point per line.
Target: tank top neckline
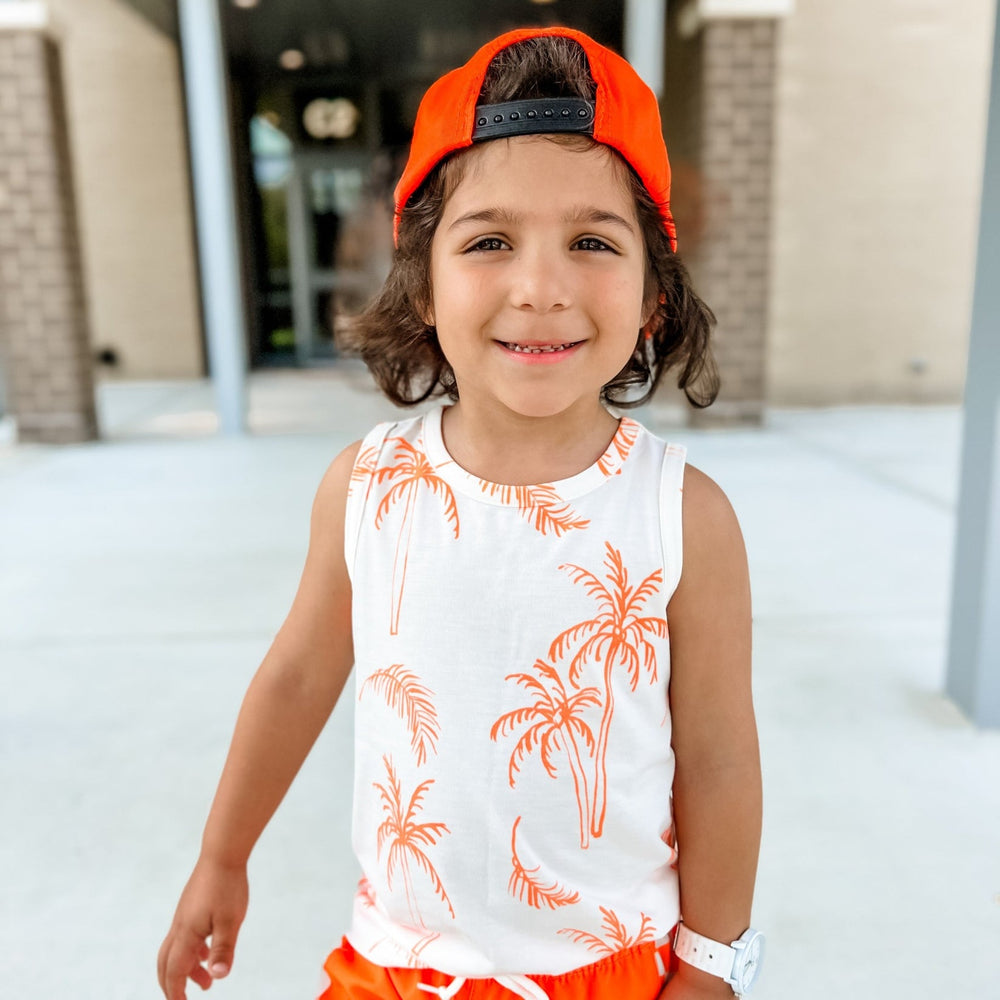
505	495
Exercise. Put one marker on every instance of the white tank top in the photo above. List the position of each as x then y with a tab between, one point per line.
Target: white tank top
513	767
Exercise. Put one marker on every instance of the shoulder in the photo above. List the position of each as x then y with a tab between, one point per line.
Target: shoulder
330	505
358	456
714	553
336	480
705	507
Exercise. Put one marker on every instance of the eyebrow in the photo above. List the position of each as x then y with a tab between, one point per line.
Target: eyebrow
586	214
598	215
496	216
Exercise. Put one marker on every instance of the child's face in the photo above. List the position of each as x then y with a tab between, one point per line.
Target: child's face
538	247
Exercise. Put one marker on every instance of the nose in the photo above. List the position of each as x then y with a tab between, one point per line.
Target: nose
540	281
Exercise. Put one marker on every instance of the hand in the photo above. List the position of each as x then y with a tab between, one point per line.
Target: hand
213	905
692	984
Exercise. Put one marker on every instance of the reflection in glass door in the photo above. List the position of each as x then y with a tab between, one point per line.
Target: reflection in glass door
334	223
326	226
272	171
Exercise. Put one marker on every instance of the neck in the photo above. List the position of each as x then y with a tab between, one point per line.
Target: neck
501	446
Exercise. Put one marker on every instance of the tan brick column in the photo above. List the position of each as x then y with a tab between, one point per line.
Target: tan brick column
736	142
720	79
43	327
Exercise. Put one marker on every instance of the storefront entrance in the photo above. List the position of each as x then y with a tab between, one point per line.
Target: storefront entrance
324	105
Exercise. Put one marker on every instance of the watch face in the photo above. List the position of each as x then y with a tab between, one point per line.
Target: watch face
752	957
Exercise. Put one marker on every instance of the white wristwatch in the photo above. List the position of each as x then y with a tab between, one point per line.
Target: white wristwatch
737	963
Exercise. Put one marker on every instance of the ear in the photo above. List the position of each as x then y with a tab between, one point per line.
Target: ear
648	312
425	310
649	308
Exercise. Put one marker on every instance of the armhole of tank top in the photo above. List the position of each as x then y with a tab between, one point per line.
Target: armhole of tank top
671	525
359	491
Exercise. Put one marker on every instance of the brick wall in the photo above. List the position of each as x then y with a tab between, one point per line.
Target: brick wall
43	328
719	113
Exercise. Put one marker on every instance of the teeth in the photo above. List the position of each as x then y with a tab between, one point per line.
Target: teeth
536	350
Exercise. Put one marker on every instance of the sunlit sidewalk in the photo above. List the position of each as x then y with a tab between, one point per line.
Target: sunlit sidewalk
142	578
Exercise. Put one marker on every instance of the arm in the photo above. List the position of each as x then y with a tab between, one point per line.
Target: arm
285	708
717	788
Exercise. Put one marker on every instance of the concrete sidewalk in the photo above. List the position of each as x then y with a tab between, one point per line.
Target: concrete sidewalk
143	577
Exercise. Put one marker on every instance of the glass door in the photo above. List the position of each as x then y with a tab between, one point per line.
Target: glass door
322	213
340	240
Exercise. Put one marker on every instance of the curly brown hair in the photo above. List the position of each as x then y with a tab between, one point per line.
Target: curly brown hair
402	350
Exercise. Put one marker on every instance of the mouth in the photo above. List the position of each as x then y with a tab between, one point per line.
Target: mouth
539	348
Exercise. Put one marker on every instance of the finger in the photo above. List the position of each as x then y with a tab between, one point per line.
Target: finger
181	961
199	974
164	960
161	965
173	987
220	958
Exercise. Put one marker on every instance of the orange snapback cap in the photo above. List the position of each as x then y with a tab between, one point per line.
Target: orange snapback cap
624	115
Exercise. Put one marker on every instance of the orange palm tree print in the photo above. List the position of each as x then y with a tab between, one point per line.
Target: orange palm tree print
525	886
615	637
364	468
554	723
541	505
408	957
407	839
411	470
411	701
413	956
365	892
611	462
616	937
670	839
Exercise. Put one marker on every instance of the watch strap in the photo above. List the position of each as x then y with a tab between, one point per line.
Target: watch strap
713	957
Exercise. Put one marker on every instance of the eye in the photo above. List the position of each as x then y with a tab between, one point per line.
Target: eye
592	243
486	244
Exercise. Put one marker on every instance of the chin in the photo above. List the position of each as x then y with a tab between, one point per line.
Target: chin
539	406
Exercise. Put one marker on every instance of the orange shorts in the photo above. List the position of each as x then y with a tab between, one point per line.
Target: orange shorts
637	973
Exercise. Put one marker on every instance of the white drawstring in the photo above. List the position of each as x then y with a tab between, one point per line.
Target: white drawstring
522	986
444	992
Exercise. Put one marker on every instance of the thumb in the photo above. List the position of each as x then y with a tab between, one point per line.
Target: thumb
220	957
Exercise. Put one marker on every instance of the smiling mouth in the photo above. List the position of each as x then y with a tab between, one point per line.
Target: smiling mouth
539	349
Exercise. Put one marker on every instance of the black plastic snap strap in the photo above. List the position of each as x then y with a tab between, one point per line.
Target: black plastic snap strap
566	114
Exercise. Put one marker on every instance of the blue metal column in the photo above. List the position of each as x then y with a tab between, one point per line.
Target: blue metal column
974	644
645	27
215	207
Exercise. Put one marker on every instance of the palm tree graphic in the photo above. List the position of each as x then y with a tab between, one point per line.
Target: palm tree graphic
540	505
616	636
525	885
411	469
611	462
412	702
616	937
407	839
554	723
364	469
